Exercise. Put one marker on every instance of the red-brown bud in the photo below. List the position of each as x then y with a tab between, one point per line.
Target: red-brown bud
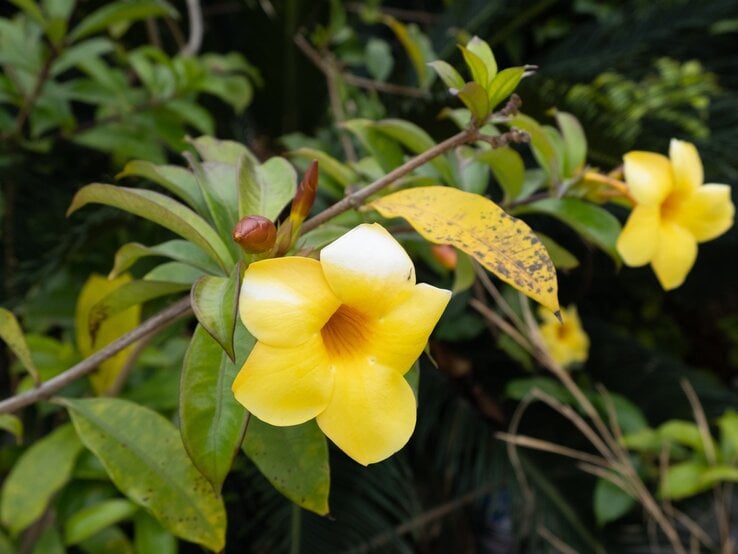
255	234
305	195
445	255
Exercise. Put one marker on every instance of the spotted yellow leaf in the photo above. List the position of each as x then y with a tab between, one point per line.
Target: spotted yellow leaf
503	244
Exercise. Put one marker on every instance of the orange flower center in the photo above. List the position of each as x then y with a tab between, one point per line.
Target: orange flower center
346	333
671	206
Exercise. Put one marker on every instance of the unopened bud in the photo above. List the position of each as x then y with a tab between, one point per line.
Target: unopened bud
445	255
255	234
305	195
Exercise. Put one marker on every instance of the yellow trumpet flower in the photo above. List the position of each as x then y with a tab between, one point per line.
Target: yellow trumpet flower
566	342
674	212
334	340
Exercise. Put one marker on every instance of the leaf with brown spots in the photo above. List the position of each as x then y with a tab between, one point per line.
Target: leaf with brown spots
503	244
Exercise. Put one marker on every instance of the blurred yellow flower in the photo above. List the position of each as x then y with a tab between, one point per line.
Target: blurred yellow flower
674	212
334	340
566	342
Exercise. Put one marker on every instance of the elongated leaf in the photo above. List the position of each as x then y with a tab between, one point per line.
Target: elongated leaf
13	425
411	46
592	222
475	98
223	151
293	459
123	11
217	181
129	294
543	150
728	424
177	249
575	142
91	519
80	52
160	209
383	149
379	60
610	502
501	243
174	272
215	303
175	179
477	68
144	457
95	289
683	432
482	50
684	479
450	77
150	537
212	422
32	9
329	165
37	475
416	140
12	334
265	189
504	84
508	168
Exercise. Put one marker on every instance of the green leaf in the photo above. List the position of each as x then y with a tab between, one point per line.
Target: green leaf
683	480
412	47
475	98
217	182
212	421
12	334
78	53
329	165
13	425
91	519
293	459
464	275
175	179
192	113
144	457
682	432
127	295
508	168
477	68
175	272
215	303
417	141
450	77
177	249
265	189
594	223
321	236
379	60
235	90
111	540
160	209
123	11
150	537
610	502
575	143
728	424
32	9
383	149
50	542
504	84
482	51
224	151
543	150
560	256
38	474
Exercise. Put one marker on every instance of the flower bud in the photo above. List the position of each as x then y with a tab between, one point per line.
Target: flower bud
445	255
305	195
255	234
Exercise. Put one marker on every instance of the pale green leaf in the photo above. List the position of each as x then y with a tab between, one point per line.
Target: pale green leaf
12	334
212	421
160	209
477	68
175	179
38	474
450	77
384	150
508	168
329	165
683	479
474	224
379	60
122	11
175	272
728	424
475	98
144	457
224	151
575	142
13	425
482	50
412	47
504	84
543	150
265	189
177	249
294	460
150	537
215	303
93	518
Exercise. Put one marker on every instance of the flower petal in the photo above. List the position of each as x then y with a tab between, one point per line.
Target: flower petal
399	337
638	239
372	412
368	270
686	164
649	176
285	301
285	386
674	256
708	212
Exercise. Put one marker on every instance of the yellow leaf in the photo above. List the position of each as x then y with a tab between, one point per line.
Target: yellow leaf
504	245
94	290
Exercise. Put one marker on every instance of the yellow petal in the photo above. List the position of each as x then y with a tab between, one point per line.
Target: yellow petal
708	212
649	176
399	337
285	301
639	238
686	164
285	386
372	412
674	256
368	270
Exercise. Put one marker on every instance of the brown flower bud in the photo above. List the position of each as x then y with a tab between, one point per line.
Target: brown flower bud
445	255
255	234
305	195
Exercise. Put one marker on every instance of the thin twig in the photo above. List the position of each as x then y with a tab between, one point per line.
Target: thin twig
194	41
490	287
494	318
389	88
555	541
48	388
546	446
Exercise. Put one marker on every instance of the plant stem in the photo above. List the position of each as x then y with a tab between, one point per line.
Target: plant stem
48	388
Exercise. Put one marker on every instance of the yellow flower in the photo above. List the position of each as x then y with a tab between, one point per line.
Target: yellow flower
567	343
674	212
334	340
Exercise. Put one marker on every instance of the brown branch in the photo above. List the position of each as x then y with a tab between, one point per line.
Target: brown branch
48	388
389	88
